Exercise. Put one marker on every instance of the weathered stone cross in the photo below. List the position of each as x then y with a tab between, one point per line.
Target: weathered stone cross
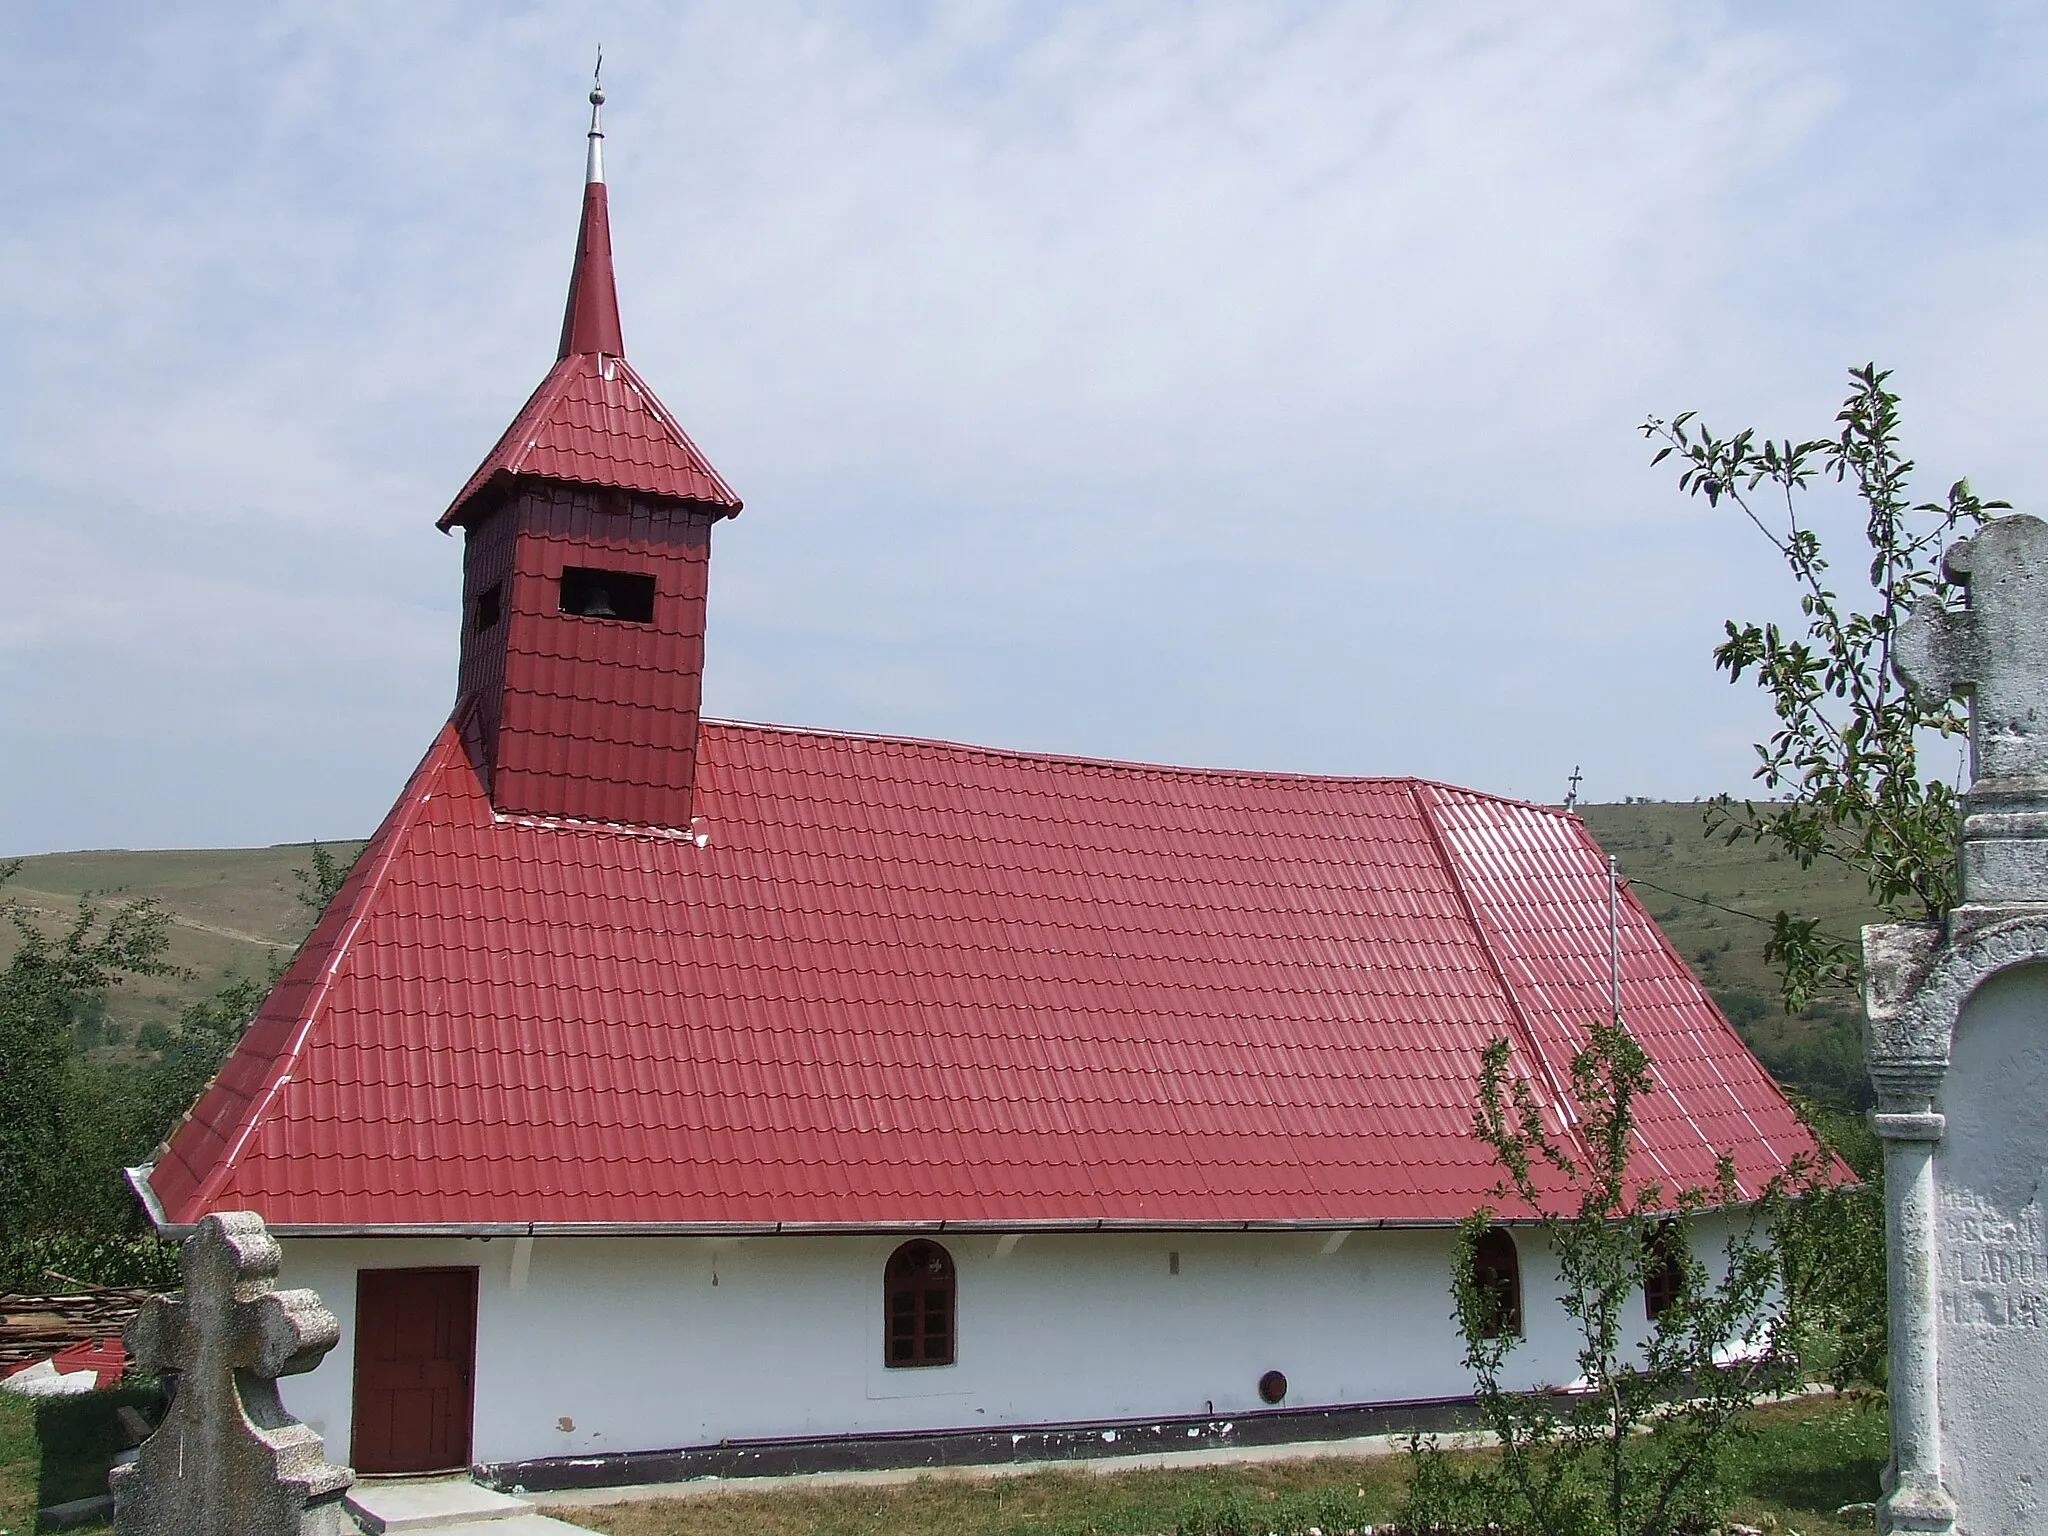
1996	652
228	1460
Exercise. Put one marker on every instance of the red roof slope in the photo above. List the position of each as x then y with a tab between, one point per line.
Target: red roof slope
594	421
907	982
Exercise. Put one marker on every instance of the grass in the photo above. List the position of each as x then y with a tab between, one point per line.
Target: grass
1329	1494
1796	1464
1807	1460
56	1449
1793	1467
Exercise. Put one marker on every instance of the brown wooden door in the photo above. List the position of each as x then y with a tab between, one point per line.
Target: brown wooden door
415	1363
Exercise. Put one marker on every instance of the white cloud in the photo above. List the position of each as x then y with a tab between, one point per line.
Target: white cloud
1212	382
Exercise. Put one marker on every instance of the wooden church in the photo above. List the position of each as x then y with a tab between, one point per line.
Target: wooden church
664	1095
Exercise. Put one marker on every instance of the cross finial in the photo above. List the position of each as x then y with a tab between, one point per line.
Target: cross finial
227	1457
1571	797
594	168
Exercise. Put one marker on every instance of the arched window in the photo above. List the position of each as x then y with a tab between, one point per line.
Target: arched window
1663	1270
1497	1271
918	1306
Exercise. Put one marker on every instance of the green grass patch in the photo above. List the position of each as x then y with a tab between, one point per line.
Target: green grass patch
1330	1494
56	1449
1803	1461
1795	1464
1792	1467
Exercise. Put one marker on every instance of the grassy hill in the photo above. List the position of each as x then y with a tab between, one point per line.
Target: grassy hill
236	911
1716	902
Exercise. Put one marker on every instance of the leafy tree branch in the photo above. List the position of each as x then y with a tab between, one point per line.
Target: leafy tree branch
1844	755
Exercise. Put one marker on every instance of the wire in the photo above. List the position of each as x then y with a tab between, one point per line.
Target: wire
1768	922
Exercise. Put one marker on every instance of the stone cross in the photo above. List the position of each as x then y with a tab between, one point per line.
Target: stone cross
227	1459
1958	1054
1996	652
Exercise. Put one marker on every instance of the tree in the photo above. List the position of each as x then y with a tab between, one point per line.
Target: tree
207	1031
45	1120
1636	1447
319	885
1845	753
70	1124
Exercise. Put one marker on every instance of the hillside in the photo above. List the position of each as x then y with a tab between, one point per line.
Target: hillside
1716	903
234	912
237	911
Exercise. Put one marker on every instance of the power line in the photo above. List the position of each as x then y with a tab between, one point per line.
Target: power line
1768	922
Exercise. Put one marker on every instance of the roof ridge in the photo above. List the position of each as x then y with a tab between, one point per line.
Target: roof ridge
1132	765
1561	1101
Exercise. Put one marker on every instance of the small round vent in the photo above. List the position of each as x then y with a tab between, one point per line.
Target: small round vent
1272	1386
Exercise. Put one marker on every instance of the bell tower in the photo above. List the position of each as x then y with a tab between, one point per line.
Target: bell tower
587	546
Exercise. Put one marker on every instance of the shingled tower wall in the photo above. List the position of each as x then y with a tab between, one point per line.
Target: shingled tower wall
585	576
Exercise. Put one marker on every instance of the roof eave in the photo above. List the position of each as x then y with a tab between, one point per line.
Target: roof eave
486	496
153	1208
730	1229
138	1178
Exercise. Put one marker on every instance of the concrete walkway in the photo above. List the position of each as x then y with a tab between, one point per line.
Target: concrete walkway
445	1506
1362	1448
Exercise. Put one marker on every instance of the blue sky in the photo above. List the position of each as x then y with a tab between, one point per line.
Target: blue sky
1251	385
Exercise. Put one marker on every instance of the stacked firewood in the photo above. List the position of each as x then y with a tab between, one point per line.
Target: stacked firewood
36	1327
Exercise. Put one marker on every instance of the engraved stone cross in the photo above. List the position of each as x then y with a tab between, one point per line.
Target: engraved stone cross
228	1458
1996	652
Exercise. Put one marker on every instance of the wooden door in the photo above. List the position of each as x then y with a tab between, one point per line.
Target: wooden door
415	1364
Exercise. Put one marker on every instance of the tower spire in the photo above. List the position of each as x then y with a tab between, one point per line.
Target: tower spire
593	171
590	321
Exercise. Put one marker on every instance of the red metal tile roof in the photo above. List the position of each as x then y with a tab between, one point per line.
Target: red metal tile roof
908	982
594	421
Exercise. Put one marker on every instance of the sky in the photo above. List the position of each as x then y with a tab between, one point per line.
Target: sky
1246	385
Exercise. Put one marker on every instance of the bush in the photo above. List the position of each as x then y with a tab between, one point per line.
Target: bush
1639	1447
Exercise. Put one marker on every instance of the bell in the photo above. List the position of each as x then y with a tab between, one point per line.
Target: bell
598	605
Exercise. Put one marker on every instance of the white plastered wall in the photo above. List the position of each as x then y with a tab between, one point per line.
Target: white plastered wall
631	1344
1992	1283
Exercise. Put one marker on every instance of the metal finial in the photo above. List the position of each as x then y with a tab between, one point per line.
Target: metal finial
594	167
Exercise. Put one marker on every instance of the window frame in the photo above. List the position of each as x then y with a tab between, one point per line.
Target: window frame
631	596
1664	1273
1506	1282
489	609
920	1280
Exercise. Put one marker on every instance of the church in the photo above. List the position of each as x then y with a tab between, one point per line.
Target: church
664	1095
